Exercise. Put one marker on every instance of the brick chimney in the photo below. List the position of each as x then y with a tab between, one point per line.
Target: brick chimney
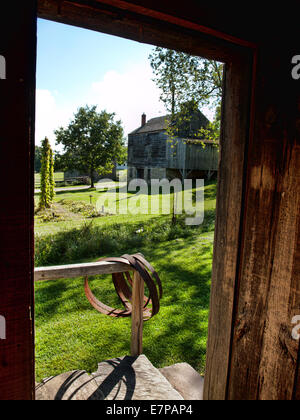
143	119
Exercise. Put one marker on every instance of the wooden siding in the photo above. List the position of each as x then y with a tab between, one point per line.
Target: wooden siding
147	150
157	150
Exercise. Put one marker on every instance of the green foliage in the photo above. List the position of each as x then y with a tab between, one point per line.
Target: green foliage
92	240
184	123
188	83
92	142
47	181
183	78
80	207
51	176
70	334
37	159
58	177
212	131
45	195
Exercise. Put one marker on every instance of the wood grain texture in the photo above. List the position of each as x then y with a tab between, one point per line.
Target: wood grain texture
79	270
296	311
264	358
17	93
137	315
236	106
255	289
110	19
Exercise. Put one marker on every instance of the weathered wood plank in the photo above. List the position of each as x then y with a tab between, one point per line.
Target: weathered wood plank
280	351
264	355
79	270
17	99
144	28
137	315
296	394
295	306
259	291
227	232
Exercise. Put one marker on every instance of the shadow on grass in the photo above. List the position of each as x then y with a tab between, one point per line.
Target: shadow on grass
178	333
48	298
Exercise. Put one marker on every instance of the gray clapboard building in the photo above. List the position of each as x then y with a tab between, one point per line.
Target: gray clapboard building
151	154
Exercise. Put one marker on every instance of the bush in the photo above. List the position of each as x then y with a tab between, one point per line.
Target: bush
86	210
91	241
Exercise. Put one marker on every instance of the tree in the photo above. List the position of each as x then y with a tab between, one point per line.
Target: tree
92	142
187	83
45	195
183	78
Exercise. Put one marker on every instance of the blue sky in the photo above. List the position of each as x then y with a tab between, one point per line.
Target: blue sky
76	67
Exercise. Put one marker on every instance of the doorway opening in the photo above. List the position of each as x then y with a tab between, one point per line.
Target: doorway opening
231	184
167	138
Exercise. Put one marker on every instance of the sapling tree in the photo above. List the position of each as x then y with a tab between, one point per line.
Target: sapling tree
51	176
45	197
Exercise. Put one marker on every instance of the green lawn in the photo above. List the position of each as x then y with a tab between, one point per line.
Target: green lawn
70	334
58	176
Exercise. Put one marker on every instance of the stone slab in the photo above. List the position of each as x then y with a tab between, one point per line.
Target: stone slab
185	379
124	378
131	378
74	385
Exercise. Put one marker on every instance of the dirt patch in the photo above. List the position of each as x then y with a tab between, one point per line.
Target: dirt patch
56	213
68	210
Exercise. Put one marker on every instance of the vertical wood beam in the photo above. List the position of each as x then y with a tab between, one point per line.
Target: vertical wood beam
264	360
234	138
17	106
137	315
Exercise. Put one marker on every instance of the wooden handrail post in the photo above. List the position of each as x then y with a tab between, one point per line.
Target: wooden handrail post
137	315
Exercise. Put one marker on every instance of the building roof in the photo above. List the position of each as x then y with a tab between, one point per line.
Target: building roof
160	124
155	124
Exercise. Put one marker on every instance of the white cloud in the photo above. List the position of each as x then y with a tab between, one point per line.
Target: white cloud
128	94
49	116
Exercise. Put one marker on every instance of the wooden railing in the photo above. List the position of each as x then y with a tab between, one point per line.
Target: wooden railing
99	268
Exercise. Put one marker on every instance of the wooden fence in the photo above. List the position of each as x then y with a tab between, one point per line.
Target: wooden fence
100	268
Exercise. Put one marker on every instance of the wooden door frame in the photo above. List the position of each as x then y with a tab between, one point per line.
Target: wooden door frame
134	22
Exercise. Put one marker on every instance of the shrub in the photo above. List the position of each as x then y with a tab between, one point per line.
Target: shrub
91	241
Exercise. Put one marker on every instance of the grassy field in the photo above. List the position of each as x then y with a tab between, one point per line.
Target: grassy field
70	334
58	176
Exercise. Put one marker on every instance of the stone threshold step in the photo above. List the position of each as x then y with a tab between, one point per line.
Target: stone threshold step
124	378
185	380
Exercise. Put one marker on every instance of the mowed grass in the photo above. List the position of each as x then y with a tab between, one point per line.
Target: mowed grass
95	196
58	176
70	334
